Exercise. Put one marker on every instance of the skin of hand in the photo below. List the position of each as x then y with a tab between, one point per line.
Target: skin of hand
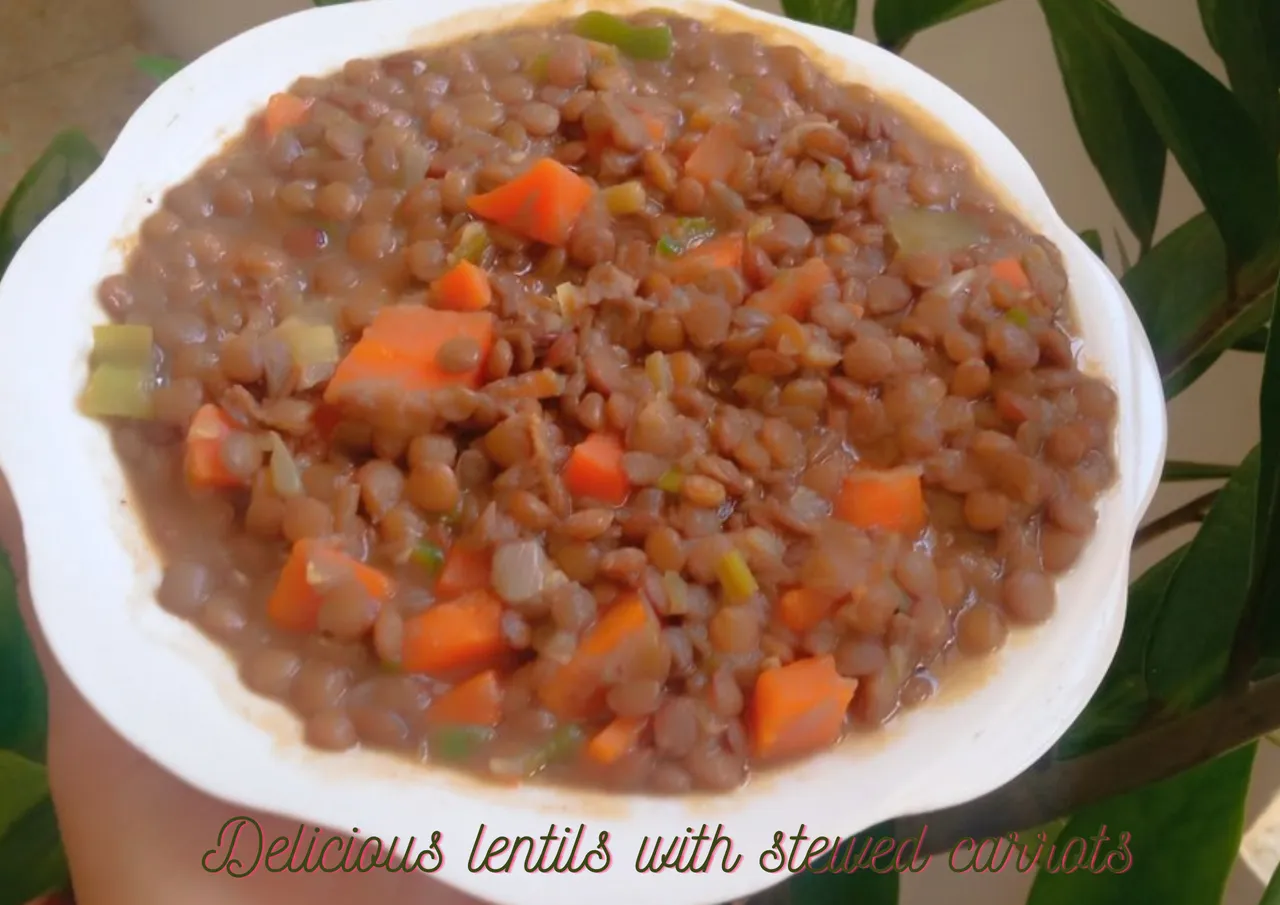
136	835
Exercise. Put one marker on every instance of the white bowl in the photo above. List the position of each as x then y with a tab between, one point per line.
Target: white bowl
176	696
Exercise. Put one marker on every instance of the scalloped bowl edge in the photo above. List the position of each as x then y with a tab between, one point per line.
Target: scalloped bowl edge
92	570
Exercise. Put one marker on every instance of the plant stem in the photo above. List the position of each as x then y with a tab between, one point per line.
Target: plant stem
1186	514
1060	788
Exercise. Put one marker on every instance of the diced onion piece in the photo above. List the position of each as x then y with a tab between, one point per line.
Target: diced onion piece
473	241
286	478
677	593
838	181
658	369
923	231
127	345
735	576
671	481
118	391
626	198
759	226
571	299
313	349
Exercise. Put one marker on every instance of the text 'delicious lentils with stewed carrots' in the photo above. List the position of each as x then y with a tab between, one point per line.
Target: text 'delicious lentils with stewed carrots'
622	401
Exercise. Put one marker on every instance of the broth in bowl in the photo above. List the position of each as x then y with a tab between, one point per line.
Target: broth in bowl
624	402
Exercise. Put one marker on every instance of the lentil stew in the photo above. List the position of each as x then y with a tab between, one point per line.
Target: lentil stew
620	401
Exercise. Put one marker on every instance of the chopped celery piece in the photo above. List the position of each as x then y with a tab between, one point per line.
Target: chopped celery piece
473	241
538	67
126	345
625	198
1019	317
735	576
671	481
428	556
667	247
924	231
688	232
639	43
118	391
563	743
457	743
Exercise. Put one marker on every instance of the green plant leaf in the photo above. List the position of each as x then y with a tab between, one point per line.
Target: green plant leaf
863	886
1254	342
1093	239
1178	470
897	21
1269	419
839	15
23	716
1271	895
1188	651
1220	149
1181	834
1268	500
1120	137
1126	263
1179	289
158	68
22	785
1121	700
31	860
1246	35
67	162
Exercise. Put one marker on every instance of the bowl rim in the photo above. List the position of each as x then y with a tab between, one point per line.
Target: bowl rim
307	785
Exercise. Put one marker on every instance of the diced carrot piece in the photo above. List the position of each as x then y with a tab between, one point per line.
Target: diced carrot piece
575	691
890	500
398	351
462	633
794	289
719	253
295	604
465	569
465	287
655	127
595	470
1010	270
475	702
542	204
801	609
799	708
284	111
715	156
616	740
202	459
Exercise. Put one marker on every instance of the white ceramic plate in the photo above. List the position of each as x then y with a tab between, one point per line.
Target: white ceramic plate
176	696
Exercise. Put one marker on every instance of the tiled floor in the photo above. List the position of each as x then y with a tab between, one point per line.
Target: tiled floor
70	63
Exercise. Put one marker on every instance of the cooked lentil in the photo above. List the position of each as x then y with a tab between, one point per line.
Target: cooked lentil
754	411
